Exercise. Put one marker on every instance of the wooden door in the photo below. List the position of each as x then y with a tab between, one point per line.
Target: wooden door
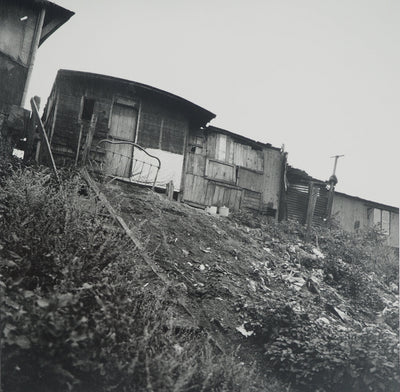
122	129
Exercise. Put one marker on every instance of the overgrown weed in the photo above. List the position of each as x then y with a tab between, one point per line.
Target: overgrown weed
76	314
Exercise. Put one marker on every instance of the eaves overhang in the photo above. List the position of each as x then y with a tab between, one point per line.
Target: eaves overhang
202	114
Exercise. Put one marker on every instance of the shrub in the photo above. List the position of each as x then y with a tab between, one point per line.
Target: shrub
317	356
79	310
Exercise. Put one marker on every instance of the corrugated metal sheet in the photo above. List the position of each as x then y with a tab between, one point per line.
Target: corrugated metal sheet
297	201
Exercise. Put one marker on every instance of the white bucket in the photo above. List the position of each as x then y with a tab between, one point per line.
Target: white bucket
223	211
211	210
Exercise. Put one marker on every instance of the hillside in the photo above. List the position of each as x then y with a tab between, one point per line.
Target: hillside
197	303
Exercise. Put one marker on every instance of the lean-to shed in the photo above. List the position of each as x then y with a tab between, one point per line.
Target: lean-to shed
109	115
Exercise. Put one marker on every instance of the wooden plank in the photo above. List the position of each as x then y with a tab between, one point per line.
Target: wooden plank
220	171
249	179
124	226
251	200
312	199
89	139
195	189
47	144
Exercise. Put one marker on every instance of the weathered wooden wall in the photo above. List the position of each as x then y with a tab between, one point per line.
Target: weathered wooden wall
225	170
352	214
15	47
159	124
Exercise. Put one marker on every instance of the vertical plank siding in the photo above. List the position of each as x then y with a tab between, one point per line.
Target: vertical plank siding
161	125
233	172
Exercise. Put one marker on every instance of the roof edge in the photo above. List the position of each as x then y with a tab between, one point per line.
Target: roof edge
55	17
243	138
206	114
370	202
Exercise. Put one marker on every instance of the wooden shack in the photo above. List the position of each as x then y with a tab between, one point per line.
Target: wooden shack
350	212
354	213
24	26
226	169
111	117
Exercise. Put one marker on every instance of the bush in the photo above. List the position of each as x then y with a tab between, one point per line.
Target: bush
79	310
318	357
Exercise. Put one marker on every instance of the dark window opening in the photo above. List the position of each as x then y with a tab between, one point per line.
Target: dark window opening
87	110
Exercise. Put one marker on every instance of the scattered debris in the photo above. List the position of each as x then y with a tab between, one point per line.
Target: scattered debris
243	331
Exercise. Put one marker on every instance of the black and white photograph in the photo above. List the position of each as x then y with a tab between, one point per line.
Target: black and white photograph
199	196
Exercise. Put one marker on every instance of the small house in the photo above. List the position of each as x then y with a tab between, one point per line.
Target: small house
109	120
226	169
354	213
350	212
24	26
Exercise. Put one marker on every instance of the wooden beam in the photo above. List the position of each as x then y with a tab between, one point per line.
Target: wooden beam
35	111
89	140
312	200
147	259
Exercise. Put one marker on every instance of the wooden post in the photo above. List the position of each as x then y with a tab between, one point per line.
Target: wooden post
34	124
44	134
312	200
169	190
332	183
78	147
89	139
33	50
330	200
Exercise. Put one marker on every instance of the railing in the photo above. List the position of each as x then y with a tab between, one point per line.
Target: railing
123	159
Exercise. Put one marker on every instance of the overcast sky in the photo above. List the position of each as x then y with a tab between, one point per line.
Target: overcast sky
321	77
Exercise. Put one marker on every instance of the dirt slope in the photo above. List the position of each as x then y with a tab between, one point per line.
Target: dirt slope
251	283
201	303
